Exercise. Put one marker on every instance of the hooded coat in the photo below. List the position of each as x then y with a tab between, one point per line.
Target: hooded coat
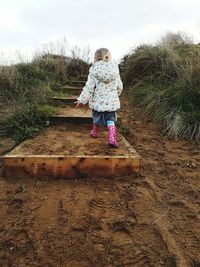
103	87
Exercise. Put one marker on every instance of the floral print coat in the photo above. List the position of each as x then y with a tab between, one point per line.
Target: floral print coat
103	87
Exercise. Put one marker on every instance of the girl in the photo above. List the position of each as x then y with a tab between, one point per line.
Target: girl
102	91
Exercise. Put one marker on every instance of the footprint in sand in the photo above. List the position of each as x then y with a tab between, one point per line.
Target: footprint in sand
76	263
97	208
3	262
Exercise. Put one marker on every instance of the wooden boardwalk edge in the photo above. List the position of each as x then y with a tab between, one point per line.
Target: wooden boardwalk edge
60	166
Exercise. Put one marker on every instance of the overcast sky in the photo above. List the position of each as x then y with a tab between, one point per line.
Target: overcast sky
116	24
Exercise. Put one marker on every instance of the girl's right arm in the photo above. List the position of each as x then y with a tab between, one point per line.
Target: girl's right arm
88	89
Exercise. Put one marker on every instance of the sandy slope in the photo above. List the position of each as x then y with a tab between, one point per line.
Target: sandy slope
152	220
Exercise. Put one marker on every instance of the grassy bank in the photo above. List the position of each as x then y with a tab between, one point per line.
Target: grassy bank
165	81
26	90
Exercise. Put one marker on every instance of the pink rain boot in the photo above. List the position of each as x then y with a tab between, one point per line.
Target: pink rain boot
112	136
95	130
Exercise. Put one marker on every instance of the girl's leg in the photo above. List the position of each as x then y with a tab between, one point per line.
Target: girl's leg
96	122
112	134
95	131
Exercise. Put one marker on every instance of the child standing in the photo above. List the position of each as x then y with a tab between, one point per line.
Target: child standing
102	91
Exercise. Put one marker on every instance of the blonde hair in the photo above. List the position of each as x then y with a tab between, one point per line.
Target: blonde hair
102	54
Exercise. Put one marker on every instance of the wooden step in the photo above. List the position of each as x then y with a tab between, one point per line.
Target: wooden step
64	99
71	87
68	114
71	90
70	152
84	76
75	82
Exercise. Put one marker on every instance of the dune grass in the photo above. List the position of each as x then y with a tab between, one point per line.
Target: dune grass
165	81
26	89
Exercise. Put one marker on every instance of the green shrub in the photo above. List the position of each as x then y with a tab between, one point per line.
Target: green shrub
55	66
165	81
27	122
77	67
26	89
61	68
23	83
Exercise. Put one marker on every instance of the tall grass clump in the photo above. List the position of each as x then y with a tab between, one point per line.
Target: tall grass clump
165	80
27	122
62	60
26	87
24	96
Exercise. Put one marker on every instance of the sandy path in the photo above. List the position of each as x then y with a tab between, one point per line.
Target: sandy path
152	220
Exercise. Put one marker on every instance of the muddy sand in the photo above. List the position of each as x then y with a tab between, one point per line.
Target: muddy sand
71	140
150	220
74	112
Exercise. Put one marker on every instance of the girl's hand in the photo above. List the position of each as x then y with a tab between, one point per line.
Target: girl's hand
78	104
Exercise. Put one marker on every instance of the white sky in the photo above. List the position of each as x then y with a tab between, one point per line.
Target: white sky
116	24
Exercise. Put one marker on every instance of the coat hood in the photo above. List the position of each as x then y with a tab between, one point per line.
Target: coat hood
105	71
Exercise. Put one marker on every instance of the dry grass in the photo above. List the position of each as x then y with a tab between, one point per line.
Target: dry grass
165	80
26	87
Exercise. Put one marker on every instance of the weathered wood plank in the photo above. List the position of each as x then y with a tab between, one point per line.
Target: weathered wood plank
80	156
69	167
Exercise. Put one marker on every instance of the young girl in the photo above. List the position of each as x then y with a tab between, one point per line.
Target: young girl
102	91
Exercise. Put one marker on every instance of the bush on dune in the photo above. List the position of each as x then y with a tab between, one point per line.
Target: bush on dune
77	68
165	81
26	89
55	66
26	94
27	122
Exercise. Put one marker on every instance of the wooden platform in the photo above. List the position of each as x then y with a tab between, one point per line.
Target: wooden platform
63	152
66	150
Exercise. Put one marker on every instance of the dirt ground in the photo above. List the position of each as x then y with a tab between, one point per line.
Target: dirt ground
70	111
151	220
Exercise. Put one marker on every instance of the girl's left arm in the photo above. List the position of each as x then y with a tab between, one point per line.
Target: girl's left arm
119	85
